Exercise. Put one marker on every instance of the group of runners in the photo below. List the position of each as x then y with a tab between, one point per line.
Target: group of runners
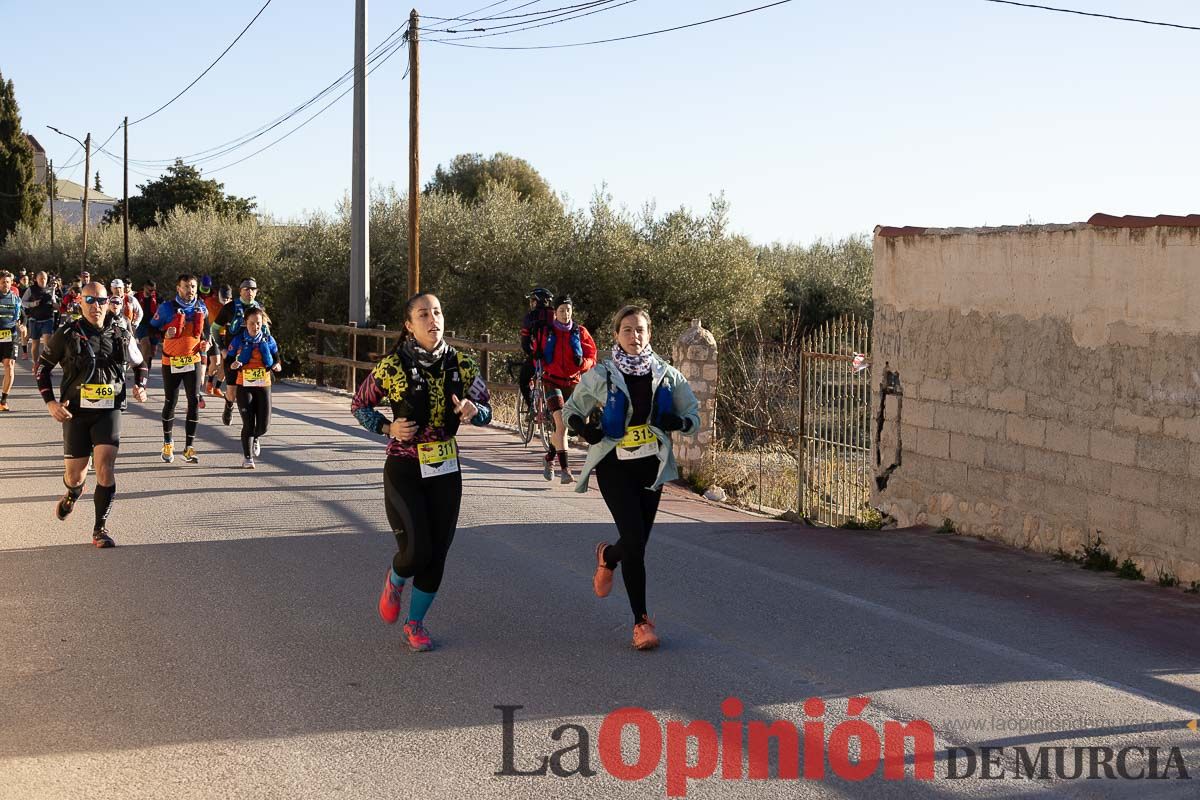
624	404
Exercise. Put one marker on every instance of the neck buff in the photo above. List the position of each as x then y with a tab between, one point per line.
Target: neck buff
422	356
633	365
185	305
563	327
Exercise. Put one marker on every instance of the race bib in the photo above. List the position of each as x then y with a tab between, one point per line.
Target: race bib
97	396
254	377
183	364
438	458
639	441
5	334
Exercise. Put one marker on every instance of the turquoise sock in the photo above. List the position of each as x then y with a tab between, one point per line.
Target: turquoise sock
395	579
421	601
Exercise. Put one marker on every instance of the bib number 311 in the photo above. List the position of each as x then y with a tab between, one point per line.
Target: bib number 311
438	458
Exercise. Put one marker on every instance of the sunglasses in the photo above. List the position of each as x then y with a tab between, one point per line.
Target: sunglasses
91	300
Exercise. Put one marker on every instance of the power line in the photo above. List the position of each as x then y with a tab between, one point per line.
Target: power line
209	67
1094	14
228	147
546	14
510	16
465	16
606	5
455	43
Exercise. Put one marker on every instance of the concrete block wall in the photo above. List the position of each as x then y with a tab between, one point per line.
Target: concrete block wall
1051	380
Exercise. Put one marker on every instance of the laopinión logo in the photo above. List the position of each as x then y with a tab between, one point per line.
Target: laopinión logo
740	750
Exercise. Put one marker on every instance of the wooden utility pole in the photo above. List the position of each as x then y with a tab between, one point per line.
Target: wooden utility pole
125	215
87	170
50	192
414	156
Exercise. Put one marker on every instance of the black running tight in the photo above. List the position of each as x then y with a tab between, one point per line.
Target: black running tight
633	507
423	513
254	404
171	383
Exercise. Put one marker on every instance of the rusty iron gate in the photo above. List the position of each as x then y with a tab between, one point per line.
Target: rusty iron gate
834	458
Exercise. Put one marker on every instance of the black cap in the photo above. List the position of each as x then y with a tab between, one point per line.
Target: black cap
563	299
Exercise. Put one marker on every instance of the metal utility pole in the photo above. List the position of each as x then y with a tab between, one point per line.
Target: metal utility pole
125	216
87	170
360	234
50	187
414	155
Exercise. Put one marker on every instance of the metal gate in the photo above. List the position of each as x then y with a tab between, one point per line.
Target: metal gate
835	434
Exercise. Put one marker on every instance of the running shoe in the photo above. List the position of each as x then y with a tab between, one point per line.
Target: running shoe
4	407
168	452
565	477
644	637
247	463
603	578
189	455
548	469
200	400
227	414
255	447
416	636
101	539
389	600
65	505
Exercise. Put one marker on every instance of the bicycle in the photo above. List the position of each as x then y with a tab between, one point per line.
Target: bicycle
529	419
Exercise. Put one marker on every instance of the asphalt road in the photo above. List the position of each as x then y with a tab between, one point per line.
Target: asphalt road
229	646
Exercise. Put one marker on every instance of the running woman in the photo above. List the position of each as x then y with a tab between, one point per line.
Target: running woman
228	323
12	331
184	326
93	353
569	351
432	389
641	400
253	355
126	310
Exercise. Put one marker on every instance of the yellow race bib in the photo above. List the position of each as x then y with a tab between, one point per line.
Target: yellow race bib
254	377
438	458
98	396
183	363
639	441
5	334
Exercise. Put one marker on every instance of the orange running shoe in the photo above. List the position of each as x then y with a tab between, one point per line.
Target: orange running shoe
416	636
389	600
602	580
644	637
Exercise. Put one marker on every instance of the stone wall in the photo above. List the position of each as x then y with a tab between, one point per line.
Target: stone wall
695	355
1051	382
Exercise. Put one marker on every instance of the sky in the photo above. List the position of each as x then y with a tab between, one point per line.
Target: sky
815	119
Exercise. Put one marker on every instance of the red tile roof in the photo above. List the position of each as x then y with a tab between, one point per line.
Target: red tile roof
1097	220
1162	220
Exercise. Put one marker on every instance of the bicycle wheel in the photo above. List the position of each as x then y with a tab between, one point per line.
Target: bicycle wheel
542	417
524	420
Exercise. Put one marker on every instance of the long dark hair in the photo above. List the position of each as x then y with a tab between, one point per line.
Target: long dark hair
405	335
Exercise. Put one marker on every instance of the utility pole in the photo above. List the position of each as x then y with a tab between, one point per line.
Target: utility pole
125	216
50	187
414	155
87	170
360	234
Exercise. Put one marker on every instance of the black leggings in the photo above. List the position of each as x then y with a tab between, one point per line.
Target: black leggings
171	383
423	513
633	507
254	404
523	378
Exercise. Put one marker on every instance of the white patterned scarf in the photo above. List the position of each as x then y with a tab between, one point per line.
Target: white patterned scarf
633	365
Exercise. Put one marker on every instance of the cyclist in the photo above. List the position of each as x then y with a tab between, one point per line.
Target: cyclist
641	400
252	356
12	330
183	323
432	389
93	353
533	329
569	352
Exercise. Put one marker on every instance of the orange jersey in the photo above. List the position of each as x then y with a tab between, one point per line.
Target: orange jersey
254	372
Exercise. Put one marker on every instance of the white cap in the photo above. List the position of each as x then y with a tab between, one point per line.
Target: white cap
117	283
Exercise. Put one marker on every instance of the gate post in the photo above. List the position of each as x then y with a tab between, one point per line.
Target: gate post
695	355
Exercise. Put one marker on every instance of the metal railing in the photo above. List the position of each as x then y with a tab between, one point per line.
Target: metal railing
363	347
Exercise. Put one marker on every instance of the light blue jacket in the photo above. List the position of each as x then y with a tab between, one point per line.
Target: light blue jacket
592	392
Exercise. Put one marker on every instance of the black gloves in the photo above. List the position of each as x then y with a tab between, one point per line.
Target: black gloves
592	434
670	421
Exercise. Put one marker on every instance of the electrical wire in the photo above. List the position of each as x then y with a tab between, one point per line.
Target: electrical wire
455	43
510	16
539	25
206	70
541	15
1096	15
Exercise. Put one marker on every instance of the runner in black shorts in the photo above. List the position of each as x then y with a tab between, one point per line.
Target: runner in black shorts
12	315
93	353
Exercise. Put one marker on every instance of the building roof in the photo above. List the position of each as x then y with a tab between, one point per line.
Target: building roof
35	144
70	190
1095	221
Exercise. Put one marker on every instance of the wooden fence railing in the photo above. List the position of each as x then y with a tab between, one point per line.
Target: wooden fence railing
365	346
